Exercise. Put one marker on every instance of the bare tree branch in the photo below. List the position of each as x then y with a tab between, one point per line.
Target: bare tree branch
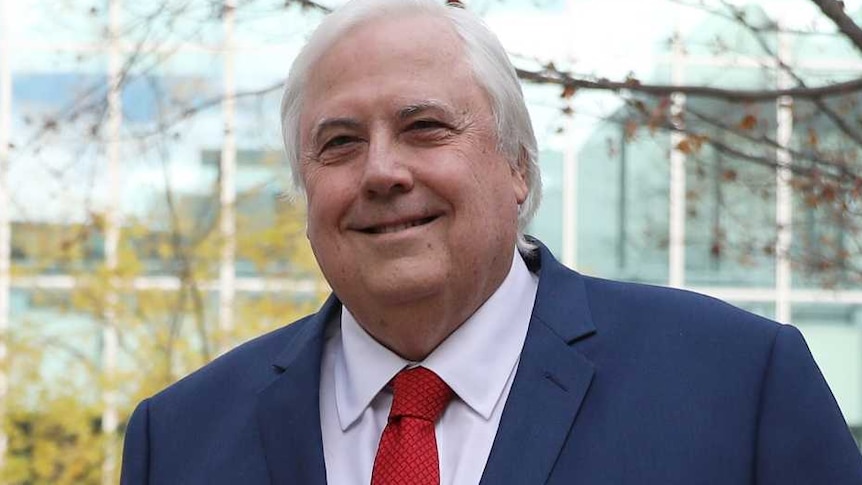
310	5
835	170
567	80
216	101
834	9
766	27
817	170
836	119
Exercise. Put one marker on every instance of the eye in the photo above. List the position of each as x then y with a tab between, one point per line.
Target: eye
337	141
426	125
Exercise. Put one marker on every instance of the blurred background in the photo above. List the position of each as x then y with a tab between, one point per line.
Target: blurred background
148	223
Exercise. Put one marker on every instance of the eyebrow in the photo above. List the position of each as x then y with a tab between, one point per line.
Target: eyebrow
421	107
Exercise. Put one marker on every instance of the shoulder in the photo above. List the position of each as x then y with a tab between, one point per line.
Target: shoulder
676	314
694	337
207	415
665	304
628	319
241	371
612	307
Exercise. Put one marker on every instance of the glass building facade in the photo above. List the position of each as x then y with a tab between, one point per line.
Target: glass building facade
147	220
648	204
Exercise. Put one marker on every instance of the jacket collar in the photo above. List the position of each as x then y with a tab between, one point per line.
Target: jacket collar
552	380
288	410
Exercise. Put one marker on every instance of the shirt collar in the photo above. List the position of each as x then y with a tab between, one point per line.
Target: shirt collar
475	361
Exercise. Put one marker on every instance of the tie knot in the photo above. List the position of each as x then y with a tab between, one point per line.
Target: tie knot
419	393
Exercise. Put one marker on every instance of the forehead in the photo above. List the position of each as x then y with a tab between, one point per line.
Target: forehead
414	39
392	62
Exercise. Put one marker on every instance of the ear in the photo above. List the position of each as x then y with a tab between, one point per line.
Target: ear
520	177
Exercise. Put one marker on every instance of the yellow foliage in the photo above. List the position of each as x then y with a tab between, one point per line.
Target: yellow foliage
56	374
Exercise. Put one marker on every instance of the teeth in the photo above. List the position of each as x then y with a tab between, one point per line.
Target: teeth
400	227
396	228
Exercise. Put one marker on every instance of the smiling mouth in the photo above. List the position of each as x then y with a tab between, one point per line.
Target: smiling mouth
390	228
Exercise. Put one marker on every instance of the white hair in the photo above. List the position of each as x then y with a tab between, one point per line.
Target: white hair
490	68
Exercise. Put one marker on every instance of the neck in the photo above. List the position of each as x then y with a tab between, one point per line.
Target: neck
414	331
414	327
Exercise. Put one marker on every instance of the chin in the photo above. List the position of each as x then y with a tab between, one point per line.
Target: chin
404	289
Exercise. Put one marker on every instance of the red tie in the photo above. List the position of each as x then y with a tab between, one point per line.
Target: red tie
407	454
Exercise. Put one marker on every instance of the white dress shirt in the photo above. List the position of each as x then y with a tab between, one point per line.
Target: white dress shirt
478	361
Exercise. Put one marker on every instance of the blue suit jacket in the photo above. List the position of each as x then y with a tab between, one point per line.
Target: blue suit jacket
617	384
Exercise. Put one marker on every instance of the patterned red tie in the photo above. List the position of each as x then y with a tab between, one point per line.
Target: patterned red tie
407	454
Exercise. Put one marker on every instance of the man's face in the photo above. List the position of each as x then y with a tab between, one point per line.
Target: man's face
408	197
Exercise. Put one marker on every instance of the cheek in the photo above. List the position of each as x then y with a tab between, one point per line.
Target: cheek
320	213
321	218
323	194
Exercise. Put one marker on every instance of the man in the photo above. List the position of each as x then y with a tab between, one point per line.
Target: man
455	350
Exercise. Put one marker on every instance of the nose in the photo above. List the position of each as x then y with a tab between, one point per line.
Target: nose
385	173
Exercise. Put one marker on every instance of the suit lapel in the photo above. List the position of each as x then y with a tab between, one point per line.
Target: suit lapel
288	409
551	382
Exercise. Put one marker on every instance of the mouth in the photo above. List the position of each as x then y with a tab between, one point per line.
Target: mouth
399	226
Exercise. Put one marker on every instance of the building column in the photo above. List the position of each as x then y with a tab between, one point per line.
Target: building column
677	199
110	341
227	187
5	222
783	190
570	200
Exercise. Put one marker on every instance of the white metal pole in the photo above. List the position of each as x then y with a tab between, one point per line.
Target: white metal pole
570	201
783	192
227	188
677	201
570	165
5	222
110	343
